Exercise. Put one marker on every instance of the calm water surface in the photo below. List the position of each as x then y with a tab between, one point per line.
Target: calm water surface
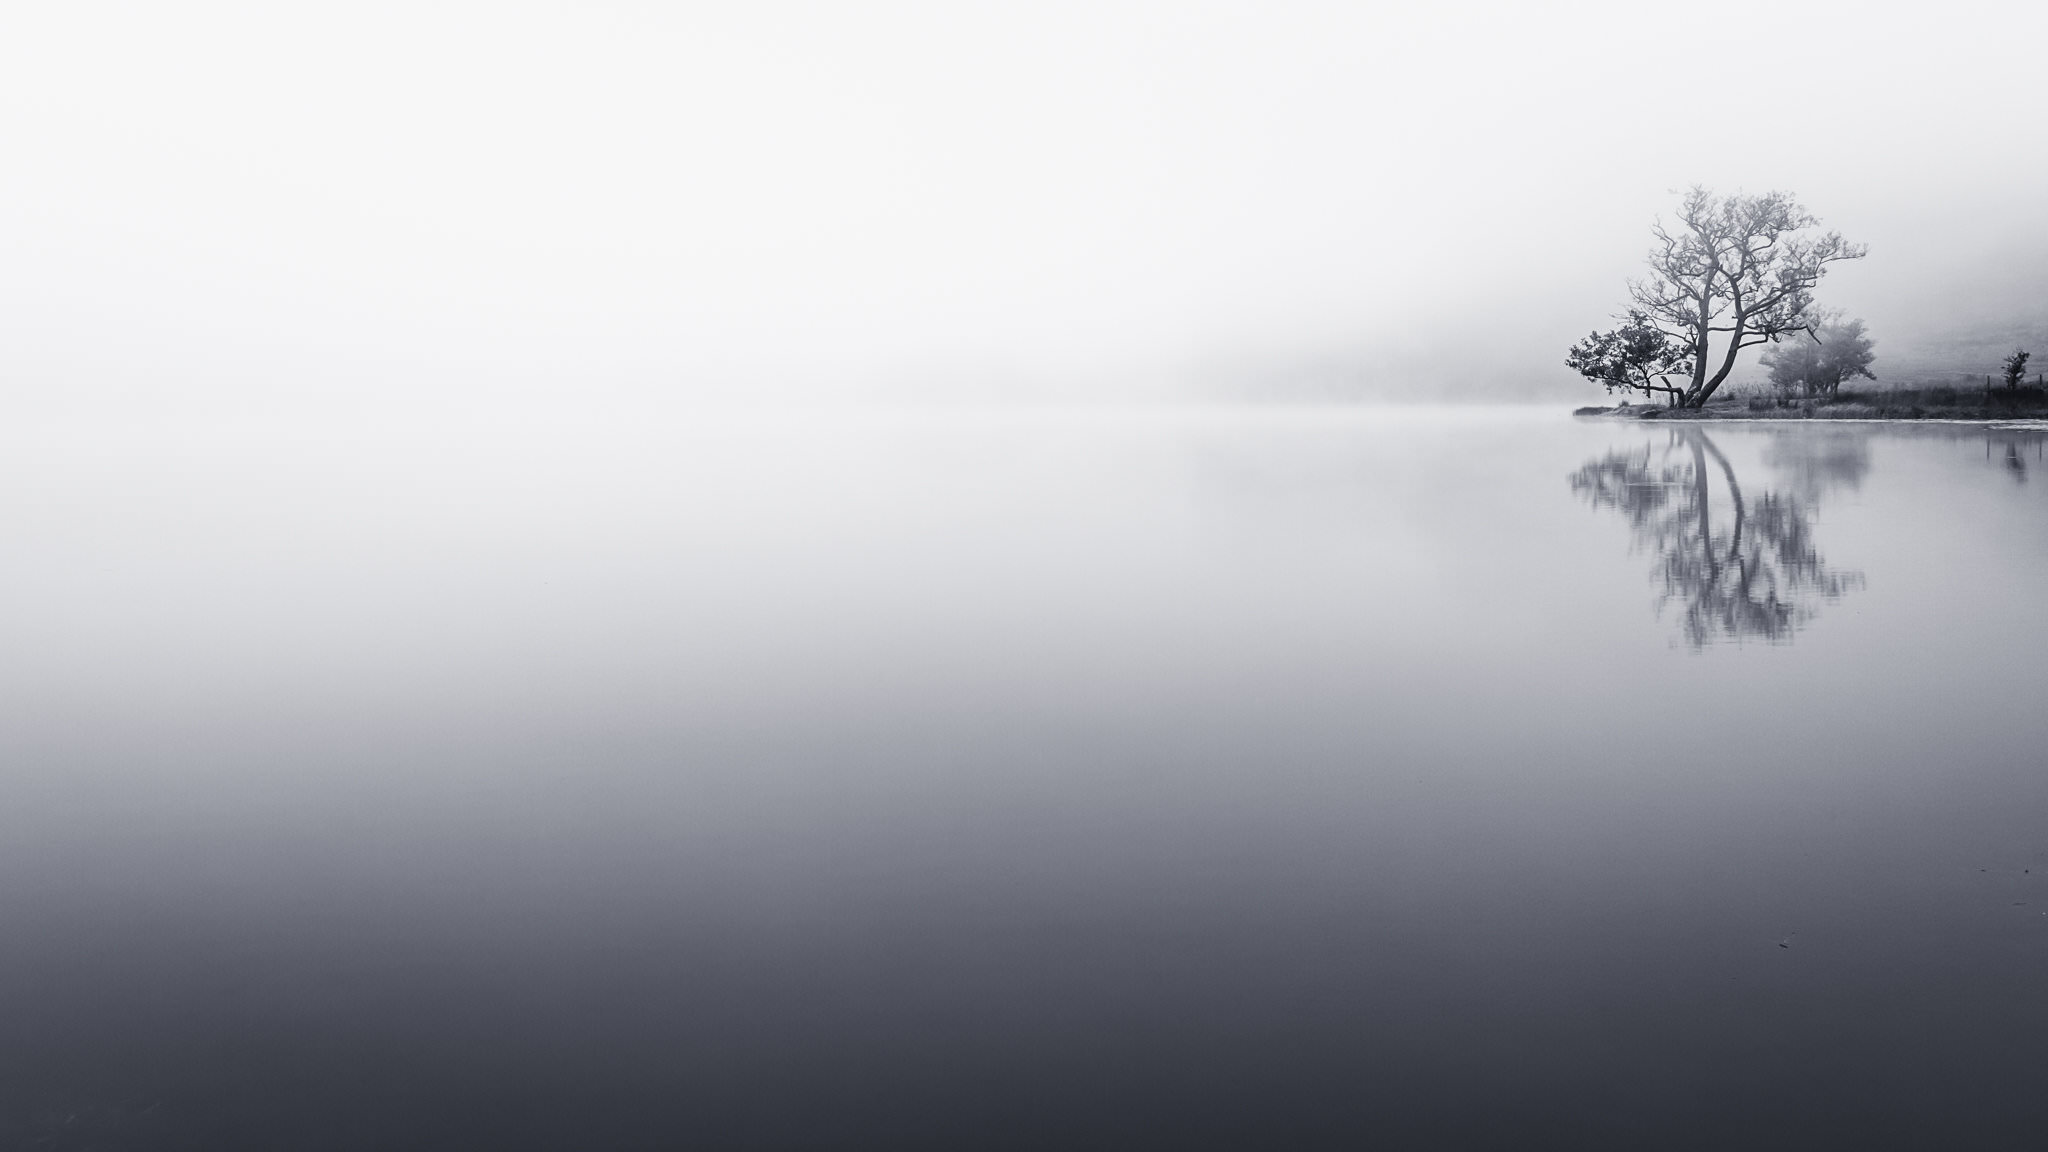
1257	779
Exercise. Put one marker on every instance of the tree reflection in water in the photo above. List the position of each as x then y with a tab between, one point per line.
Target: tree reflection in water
1812	462
2012	452
1739	565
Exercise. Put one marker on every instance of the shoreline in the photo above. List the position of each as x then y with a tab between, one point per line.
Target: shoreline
1733	414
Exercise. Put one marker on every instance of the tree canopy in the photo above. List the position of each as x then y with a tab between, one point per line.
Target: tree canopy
1638	356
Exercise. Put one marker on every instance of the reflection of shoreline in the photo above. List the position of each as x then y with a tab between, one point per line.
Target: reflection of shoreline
1737	565
1642	414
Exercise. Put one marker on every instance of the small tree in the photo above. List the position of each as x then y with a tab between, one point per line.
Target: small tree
2015	368
1638	356
1838	350
1794	367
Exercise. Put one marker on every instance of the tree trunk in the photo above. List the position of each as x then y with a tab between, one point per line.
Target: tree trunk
1701	392
1702	344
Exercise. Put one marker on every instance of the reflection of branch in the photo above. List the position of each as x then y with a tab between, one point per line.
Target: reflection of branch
1762	578
1699	497
1734	488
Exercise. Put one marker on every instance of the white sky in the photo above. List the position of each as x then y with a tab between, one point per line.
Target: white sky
284	205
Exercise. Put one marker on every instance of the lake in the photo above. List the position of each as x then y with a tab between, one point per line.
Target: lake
1306	778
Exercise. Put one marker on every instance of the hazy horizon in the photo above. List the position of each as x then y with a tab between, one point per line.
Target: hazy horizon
232	208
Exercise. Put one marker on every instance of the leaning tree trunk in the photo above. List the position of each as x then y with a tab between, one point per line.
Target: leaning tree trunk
1703	389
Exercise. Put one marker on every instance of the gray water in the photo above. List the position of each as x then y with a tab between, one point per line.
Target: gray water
1306	778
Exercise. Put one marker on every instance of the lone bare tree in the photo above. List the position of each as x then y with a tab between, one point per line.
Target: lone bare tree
1733	272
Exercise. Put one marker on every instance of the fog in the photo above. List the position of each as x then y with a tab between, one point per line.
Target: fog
286	211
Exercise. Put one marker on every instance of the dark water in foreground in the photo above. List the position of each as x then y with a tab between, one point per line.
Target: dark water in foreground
1307	779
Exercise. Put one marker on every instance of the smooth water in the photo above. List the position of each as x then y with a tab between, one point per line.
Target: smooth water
1306	778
